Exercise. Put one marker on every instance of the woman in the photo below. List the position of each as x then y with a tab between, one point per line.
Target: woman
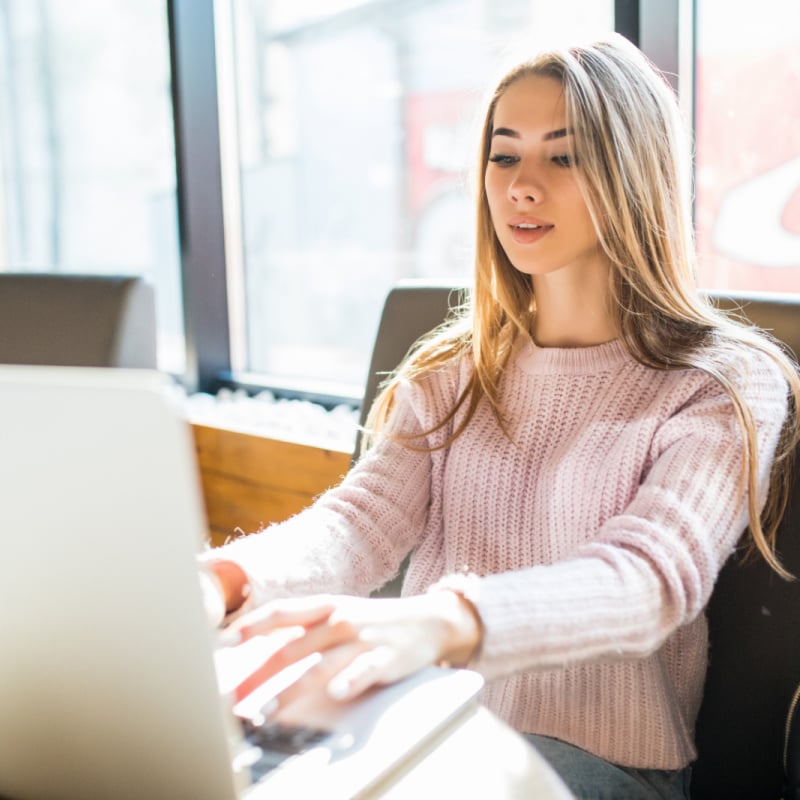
569	463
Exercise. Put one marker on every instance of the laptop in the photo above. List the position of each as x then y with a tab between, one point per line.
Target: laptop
111	681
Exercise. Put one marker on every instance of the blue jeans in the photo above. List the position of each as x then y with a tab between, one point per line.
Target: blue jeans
590	777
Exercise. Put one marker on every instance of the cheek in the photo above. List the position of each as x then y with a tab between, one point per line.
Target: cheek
589	230
492	181
494	191
580	213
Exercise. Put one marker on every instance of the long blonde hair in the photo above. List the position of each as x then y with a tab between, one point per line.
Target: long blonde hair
635	176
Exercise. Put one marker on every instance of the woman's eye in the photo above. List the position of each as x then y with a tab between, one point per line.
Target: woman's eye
563	161
503	161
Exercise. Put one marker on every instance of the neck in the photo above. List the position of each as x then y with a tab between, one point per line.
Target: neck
572	310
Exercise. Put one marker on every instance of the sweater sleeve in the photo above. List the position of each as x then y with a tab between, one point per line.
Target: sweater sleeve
649	569
355	536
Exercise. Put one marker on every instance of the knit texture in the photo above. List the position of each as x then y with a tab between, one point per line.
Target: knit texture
597	530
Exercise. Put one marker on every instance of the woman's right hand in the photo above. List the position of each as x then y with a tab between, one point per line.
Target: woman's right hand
225	588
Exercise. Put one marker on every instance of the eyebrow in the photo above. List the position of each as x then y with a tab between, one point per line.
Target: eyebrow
559	133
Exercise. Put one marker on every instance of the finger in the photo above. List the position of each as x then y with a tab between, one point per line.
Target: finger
373	667
317	639
279	614
258	664
310	689
272	682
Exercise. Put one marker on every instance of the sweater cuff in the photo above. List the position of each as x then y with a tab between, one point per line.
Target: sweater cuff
467	587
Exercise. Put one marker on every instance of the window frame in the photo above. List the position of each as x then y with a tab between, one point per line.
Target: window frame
198	167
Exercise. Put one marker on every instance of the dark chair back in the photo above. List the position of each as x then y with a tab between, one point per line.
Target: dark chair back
77	320
754	632
412	309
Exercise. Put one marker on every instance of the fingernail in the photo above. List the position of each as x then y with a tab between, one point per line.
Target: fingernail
339	688
229	637
265	712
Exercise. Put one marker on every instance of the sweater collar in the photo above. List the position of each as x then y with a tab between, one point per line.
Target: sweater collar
606	357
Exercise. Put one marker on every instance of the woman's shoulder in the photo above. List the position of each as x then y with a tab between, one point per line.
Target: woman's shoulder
445	378
749	370
424	399
753	366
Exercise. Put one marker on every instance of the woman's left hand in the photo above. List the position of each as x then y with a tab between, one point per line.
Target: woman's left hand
358	642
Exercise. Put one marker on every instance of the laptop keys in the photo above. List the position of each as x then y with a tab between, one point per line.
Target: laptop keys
278	742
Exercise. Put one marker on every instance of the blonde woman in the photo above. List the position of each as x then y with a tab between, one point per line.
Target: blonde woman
569	463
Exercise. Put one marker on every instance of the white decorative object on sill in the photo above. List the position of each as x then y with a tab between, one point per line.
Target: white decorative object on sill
290	420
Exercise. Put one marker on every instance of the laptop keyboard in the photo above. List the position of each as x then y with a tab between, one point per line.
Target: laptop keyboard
278	742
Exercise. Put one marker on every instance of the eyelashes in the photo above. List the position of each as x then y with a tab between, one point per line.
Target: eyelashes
564	161
503	161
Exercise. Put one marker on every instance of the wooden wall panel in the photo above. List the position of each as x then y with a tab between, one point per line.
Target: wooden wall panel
250	481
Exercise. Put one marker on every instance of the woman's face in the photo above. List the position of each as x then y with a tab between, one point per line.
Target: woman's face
537	209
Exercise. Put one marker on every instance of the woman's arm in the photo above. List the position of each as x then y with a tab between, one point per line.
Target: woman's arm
355	536
650	568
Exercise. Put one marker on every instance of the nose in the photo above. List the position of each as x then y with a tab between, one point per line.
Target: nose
525	187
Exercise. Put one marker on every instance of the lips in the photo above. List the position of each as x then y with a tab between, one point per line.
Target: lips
527	231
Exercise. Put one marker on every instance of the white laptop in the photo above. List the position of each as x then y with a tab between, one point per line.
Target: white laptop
108	684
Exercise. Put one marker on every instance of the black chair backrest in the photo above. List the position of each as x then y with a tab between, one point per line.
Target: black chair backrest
411	310
753	615
77	320
754	633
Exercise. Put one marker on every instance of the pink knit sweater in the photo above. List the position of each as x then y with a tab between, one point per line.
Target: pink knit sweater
597	531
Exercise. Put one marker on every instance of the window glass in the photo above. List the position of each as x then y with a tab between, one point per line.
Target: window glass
356	130
748	145
87	165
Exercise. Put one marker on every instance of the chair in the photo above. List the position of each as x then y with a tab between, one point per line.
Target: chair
412	309
753	615
77	320
754	633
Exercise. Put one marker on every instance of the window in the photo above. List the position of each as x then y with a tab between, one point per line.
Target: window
348	131
748	145
87	165
356	130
